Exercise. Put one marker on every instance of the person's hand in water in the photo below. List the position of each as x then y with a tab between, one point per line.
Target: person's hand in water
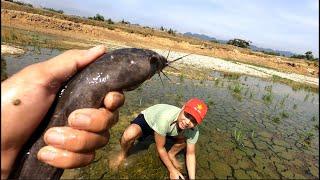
26	98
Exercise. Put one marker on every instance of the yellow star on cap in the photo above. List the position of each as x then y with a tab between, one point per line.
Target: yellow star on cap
199	106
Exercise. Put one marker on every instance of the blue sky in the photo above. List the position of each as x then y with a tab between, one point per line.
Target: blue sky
291	25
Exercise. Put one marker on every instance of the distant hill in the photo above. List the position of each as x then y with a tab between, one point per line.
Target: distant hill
252	47
204	37
283	53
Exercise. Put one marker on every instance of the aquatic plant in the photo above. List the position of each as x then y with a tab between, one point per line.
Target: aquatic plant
216	82
308	137
181	78
267	98
284	114
268	88
231	76
276	119
238	137
252	134
283	100
295	106
210	103
306	97
295	85
251	95
236	91
237	88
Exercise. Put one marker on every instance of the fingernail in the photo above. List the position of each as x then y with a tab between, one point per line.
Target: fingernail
55	138
46	155
81	120
96	49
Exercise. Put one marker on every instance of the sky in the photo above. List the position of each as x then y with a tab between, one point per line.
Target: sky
290	25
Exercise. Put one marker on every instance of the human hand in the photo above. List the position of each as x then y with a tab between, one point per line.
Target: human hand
26	98
175	174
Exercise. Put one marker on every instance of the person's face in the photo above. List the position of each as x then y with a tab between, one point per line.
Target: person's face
186	121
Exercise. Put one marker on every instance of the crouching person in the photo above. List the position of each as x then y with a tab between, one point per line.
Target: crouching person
163	120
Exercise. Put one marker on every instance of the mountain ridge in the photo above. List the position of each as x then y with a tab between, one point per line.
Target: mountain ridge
252	47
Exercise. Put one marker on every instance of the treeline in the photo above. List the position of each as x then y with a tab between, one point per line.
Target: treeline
20	3
308	56
99	17
30	5
246	44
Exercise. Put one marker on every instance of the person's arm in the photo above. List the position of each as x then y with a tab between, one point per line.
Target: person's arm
160	142
191	160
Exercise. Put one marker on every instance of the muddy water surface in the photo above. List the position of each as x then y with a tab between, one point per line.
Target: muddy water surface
254	128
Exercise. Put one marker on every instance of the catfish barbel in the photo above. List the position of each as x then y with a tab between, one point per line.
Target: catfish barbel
118	70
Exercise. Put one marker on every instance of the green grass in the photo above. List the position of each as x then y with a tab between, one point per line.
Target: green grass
295	85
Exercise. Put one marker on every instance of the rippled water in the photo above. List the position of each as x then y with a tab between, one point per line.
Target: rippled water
253	129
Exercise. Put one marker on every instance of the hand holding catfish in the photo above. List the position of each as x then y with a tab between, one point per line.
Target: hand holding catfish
123	69
27	96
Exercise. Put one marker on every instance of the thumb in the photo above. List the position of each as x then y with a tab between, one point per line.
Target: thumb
65	65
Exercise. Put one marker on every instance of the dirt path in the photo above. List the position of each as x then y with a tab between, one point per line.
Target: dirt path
236	67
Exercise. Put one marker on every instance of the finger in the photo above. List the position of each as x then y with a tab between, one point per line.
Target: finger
115	118
64	159
62	67
75	140
114	100
89	119
181	176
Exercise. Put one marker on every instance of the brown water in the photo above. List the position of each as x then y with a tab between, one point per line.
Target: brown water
254	128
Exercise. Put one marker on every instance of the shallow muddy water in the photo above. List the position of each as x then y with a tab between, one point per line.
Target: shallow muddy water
253	129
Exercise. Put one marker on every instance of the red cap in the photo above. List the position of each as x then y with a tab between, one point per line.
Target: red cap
196	108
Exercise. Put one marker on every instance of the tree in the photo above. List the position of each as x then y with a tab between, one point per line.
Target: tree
110	21
98	17
309	55
171	31
239	43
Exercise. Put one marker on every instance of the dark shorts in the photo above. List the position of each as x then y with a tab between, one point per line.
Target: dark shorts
146	129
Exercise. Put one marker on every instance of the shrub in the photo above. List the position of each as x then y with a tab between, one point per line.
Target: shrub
239	43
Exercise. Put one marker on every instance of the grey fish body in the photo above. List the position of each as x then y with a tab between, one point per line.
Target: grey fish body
119	70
